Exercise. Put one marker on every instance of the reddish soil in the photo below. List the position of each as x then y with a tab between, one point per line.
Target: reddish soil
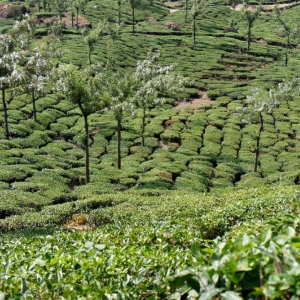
265	7
196	103
82	21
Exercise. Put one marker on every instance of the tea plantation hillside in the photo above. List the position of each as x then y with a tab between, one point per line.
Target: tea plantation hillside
204	204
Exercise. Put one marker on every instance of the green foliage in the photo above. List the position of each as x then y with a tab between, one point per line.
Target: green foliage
150	232
170	136
176	183
262	270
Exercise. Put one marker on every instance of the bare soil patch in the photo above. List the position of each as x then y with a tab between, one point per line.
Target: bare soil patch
163	146
151	19
265	7
78	227
172	6
172	10
172	3
196	103
260	41
67	19
11	10
78	223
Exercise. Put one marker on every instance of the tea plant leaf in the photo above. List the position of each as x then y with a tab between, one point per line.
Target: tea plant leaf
210	293
100	247
229	295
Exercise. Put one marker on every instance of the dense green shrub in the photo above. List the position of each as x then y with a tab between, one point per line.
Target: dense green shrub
235	278
170	136
191	181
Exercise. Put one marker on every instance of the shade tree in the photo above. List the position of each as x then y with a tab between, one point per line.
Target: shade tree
12	73
56	31
61	6
84	89
186	10
23	32
134	4
92	36
119	2
78	5
154	80
289	30
250	17
259	102
121	91
197	7
38	69
113	30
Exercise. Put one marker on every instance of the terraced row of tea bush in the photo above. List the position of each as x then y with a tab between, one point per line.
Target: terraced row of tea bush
191	149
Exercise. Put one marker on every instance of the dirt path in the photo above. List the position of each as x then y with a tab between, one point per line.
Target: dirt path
67	19
173	5
172	10
194	102
265	7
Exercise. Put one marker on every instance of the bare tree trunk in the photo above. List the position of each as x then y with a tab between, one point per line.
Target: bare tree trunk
248	38
72	14
119	14
194	30
133	28
33	105
143	126
5	114
287	50
77	25
119	143
186	10
87	154
89	54
257	151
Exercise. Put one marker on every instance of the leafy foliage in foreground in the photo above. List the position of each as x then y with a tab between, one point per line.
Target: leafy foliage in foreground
146	240
246	268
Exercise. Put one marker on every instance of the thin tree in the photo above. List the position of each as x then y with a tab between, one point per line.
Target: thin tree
260	102
113	31
120	2
197	7
287	30
12	73
92	36
6	47
23	31
45	2
56	31
71	2
121	90
134	4
38	69
287	90
186	10
78	5
250	17
152	81
83	90
60	6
